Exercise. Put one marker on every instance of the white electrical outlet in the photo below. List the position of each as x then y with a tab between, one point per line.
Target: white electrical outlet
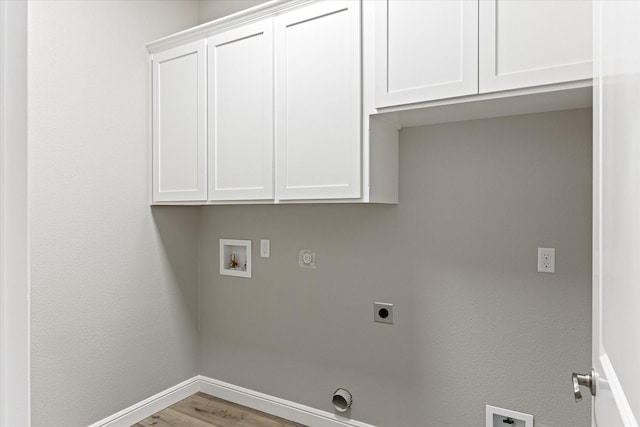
265	248
546	260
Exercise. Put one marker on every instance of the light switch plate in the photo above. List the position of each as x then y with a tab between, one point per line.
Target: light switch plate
265	248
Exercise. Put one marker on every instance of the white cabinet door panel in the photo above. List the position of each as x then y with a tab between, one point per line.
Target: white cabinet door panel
241	113
318	120
425	50
179	128
534	42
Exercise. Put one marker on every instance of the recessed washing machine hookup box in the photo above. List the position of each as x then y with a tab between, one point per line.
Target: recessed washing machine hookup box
235	258
500	417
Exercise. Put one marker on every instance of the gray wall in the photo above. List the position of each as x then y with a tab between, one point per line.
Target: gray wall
114	283
208	10
475	323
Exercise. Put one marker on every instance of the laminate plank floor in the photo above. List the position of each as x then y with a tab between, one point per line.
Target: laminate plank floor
202	410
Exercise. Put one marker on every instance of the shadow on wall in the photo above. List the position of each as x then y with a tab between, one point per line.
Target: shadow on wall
178	230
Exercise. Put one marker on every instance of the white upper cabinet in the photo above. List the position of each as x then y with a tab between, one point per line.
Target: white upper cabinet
179	124
318	97
429	50
240	77
295	101
534	42
266	106
425	50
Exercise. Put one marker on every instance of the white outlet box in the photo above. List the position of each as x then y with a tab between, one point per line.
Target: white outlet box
546	260
500	417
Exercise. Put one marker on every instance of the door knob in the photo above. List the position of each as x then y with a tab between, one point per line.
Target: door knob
587	380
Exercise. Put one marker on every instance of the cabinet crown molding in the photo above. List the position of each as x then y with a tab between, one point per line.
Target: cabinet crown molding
262	11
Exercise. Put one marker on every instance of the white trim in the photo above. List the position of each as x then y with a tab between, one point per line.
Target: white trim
624	409
556	97
3	393
14	218
253	14
150	406
252	399
275	406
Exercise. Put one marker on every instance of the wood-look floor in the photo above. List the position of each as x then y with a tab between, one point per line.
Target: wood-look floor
202	410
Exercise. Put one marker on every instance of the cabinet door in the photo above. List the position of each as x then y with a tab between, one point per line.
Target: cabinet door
534	42
318	117
179	112
241	113
425	50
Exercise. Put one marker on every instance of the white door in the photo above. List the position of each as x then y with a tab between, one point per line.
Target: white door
425	50
179	124
534	42
318	120
241	113
616	216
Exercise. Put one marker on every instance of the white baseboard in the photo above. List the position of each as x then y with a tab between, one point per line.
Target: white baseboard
252	399
275	406
150	406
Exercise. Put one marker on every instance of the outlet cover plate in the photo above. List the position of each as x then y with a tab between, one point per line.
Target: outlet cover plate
383	312
546	260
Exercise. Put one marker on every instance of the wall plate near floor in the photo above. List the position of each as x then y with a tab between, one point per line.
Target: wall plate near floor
500	417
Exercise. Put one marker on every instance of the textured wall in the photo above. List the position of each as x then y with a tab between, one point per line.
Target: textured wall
475	323
208	10
114	283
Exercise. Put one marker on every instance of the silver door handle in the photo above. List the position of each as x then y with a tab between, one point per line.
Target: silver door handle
587	380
